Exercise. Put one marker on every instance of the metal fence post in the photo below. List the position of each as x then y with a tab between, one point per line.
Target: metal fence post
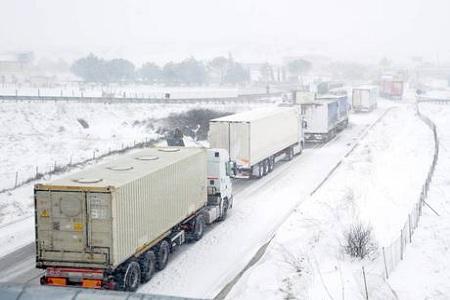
17	178
385	265
409	225
365	283
401	244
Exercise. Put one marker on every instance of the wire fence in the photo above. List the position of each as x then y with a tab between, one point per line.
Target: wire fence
374	275
55	168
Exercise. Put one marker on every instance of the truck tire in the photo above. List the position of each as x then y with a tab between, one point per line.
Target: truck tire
131	277
224	211
148	265
290	153
162	255
271	163
265	166
199	228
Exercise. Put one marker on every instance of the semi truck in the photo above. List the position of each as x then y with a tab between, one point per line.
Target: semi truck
112	226
364	98
256	139
320	118
391	89
342	111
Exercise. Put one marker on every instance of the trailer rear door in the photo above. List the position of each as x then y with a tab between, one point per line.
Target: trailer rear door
63	229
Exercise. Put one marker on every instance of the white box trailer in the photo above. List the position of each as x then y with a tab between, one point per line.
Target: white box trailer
364	98
93	226
321	118
256	138
343	109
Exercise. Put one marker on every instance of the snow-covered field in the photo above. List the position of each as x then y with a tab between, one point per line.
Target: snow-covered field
42	134
129	91
378	184
424	273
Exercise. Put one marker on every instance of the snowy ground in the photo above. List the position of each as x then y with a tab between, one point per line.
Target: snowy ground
424	273
377	184
36	135
129	91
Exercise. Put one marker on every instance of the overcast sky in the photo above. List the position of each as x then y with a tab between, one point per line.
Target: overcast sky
251	29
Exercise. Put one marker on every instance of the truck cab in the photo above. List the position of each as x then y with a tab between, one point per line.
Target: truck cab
220	171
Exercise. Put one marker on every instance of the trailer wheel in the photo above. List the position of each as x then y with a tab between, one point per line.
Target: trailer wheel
199	228
224	212
271	163
290	153
265	166
132	277
162	255
148	266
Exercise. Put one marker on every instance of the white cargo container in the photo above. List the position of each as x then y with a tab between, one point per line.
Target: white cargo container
364	98
321	118
256	138
343	109
103	221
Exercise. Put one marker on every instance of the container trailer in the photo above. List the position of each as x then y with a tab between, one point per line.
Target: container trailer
112	226
256	139
321	118
364	98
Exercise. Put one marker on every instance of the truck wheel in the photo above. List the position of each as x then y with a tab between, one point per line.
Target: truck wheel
132	277
265	167
162	255
224	212
260	170
290	153
148	266
199	228
271	164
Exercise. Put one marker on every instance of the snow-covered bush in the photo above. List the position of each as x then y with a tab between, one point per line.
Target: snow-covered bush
194	123
359	240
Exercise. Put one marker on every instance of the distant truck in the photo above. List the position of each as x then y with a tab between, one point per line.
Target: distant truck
112	226
325	87
321	118
391	89
255	139
364	98
343	109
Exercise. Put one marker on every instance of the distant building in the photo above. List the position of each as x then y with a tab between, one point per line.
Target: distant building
15	65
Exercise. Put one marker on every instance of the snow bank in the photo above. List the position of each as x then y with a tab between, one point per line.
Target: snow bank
424	273
378	183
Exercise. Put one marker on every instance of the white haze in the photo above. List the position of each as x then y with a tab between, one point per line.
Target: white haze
252	30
